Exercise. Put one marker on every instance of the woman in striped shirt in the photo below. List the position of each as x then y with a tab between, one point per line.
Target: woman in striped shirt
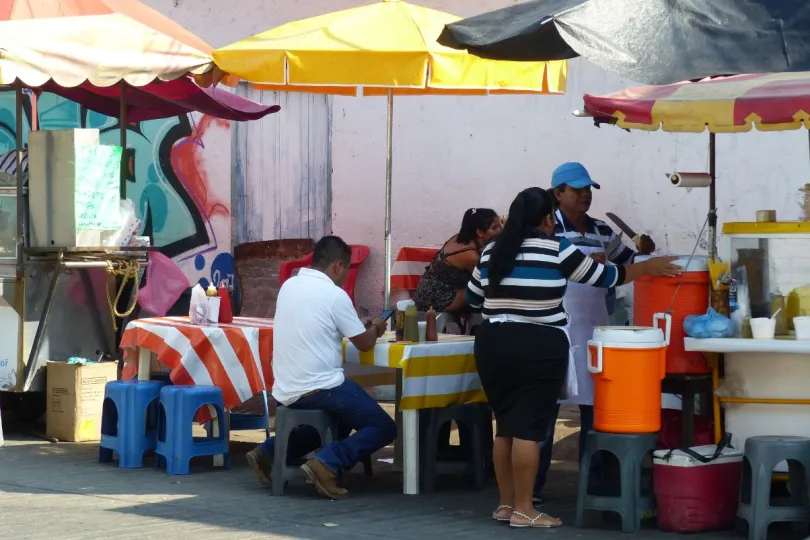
521	350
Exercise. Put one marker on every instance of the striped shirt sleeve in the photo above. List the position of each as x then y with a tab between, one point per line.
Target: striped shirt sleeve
579	268
621	254
474	295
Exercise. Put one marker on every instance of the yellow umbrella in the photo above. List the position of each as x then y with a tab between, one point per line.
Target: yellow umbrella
387	48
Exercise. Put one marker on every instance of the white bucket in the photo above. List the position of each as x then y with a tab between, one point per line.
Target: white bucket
802	326
763	328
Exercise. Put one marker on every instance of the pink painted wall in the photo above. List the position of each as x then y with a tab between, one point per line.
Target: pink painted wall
454	153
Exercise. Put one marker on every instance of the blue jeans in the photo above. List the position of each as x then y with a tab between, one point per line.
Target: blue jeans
586	425
354	410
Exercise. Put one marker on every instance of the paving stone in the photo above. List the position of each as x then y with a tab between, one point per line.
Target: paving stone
60	490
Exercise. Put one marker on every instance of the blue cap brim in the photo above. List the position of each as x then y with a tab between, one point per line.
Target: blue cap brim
583	183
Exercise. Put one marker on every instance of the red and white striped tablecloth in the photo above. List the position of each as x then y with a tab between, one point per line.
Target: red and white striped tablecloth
235	357
410	265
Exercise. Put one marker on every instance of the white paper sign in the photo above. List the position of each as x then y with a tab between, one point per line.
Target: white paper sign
98	199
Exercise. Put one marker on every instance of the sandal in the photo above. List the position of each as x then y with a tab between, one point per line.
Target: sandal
532	523
502	519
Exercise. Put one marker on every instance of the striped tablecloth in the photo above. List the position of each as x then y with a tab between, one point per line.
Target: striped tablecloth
409	266
435	375
235	357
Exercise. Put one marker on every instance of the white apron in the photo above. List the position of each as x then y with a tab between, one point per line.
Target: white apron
586	309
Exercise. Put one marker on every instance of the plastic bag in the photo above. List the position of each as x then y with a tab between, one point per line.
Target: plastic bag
198	307
710	325
165	282
130	225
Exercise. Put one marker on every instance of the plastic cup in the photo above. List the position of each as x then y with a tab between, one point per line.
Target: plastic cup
213	309
802	326
422	331
763	328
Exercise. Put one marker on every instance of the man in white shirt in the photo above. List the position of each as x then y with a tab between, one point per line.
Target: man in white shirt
313	314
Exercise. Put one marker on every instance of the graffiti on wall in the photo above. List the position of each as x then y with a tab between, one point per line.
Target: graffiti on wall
186	215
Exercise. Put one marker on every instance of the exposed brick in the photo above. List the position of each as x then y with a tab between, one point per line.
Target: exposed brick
258	264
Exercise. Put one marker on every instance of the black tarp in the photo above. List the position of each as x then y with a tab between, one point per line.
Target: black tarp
647	41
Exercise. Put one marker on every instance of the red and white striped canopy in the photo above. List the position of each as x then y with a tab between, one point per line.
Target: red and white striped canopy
770	102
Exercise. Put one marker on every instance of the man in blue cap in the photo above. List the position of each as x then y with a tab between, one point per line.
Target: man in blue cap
587	307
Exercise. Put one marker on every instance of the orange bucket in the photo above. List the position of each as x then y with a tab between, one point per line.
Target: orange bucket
627	364
652	295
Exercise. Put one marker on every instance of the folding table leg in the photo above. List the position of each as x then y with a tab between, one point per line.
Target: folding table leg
398	419
410	443
144	364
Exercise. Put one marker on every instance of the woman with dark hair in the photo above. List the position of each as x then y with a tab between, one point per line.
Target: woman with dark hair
443	283
522	348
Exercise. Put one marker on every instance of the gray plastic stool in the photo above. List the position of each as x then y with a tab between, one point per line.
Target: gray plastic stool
762	454
475	426
287	420
631	502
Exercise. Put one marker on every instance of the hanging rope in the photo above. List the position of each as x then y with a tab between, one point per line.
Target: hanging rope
126	270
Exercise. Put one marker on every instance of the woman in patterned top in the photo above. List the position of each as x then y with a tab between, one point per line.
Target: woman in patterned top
522	348
443	283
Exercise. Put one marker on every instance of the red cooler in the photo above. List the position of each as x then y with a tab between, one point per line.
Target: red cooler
653	295
692	496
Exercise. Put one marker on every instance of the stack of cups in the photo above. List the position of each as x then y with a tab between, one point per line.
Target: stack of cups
802	326
763	327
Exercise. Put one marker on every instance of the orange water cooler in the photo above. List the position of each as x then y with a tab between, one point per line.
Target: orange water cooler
627	364
653	295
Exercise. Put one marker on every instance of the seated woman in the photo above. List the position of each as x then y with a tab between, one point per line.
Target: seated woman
522	348
445	279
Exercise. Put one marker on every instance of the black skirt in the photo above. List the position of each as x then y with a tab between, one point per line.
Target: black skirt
522	368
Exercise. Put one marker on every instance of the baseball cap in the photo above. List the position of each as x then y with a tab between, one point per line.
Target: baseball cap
574	174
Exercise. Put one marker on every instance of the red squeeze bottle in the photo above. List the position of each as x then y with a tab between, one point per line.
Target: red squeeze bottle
225	312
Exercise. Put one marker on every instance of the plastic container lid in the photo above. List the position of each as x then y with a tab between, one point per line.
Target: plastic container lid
697	264
402	305
679	458
629	334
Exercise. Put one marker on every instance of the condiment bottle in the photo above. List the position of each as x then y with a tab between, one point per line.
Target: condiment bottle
411	325
225	311
430	326
211	290
399	319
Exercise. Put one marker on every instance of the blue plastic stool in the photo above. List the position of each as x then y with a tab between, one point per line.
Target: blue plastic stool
176	444
129	421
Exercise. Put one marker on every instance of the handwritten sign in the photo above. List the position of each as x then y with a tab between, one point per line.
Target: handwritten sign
98	200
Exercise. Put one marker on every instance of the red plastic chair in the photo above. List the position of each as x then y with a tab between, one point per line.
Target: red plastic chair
359	254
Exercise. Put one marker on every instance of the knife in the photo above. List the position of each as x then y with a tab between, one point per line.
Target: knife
624	228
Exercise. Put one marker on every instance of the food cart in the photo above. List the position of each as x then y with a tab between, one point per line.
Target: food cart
762	388
62	272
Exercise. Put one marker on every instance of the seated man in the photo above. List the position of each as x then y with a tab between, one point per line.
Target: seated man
313	314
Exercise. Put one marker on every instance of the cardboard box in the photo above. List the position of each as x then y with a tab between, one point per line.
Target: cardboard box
75	394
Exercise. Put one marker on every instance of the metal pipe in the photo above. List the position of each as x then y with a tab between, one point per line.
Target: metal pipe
32	366
20	202
34	110
712	199
389	140
714	361
85	264
122	119
764	401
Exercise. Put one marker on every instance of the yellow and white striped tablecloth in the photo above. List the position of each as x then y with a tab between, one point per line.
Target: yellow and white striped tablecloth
435	374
